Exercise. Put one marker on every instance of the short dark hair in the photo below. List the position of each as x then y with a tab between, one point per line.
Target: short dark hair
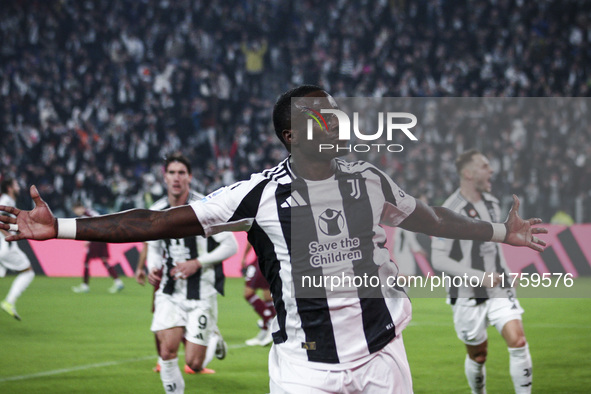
6	183
177	157
282	108
465	158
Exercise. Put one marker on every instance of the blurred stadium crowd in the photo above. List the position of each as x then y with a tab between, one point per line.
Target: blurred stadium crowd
94	93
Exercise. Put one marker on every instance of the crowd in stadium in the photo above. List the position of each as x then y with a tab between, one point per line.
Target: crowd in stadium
94	93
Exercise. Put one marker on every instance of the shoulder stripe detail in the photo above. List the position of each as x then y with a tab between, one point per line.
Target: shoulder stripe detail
278	172
249	205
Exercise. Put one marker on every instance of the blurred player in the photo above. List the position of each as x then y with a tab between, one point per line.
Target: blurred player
326	342
255	280
189	274
95	250
140	277
474	308
11	257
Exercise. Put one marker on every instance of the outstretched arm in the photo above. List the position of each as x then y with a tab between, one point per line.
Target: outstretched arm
130	226
442	222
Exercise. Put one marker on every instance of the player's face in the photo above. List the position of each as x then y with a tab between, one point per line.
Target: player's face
325	131
177	179
481	173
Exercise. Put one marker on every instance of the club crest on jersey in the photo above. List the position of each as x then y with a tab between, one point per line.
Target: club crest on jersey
355	189
331	222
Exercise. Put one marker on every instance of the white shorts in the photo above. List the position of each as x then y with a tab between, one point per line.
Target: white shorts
12	257
471	322
387	372
198	317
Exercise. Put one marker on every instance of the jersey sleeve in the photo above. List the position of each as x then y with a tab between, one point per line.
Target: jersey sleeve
228	209
398	205
154	256
227	247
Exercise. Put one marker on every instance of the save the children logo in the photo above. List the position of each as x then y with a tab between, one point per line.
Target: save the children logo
331	222
388	123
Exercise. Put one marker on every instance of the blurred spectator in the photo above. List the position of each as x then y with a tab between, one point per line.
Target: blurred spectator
563	218
94	93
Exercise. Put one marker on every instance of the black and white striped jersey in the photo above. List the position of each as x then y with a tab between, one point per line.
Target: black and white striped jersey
458	257
8	201
5	199
320	229
166	253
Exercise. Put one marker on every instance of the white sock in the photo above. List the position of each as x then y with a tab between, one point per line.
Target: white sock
171	377
476	375
520	367
210	352
20	283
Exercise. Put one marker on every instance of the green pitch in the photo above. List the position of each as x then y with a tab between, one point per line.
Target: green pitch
101	343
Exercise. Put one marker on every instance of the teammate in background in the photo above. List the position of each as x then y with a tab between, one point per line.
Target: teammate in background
188	273
321	343
95	250
11	257
255	280
140	277
474	308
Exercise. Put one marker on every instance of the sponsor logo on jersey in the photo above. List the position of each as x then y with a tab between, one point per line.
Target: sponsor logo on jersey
295	200
334	252
331	222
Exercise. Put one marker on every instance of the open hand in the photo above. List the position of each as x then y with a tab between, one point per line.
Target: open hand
39	224
155	276
140	276
521	232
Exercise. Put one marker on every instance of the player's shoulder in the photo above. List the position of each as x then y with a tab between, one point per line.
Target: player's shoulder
490	197
455	201
160	204
281	173
240	189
